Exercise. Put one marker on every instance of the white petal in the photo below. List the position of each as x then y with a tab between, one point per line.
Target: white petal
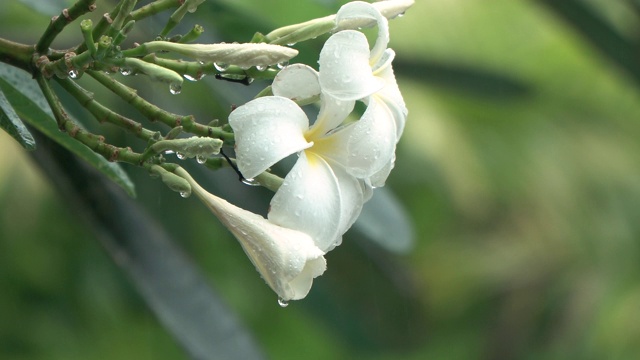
287	260
390	93
359	10
379	178
267	130
309	201
297	82
333	112
363	147
351	196
345	72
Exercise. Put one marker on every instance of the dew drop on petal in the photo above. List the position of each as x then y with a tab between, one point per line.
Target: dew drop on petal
250	182
181	156
220	66
261	67
73	74
175	88
201	159
125	71
283	303
168	151
185	194
283	64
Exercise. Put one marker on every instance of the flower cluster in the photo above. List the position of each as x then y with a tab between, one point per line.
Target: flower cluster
340	161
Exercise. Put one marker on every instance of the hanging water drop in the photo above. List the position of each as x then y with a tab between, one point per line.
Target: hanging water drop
181	156
250	182
283	303
261	67
169	151
175	88
220	66
189	77
125	71
201	159
185	194
73	74
283	64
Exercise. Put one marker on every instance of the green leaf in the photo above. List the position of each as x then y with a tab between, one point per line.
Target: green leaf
29	103
385	222
11	123
586	20
171	284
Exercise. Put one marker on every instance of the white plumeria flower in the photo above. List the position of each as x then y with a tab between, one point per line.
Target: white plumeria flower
322	195
288	260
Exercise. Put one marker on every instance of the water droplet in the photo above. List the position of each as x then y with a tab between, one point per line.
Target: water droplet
185	194
193	78
73	74
400	15
220	66
283	303
250	182
181	156
125	71
168	151
201	159
261	67
175	88
283	64
248	80
291	44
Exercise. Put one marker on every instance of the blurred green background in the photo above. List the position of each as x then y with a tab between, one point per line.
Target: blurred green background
518	170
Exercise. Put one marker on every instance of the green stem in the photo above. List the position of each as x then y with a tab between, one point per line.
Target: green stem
154	8
92	141
101	112
102	26
58	23
155	113
15	54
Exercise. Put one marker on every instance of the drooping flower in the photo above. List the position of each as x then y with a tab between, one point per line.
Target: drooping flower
288	260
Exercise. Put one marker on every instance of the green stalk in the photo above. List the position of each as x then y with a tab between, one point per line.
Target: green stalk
101	112
155	113
15	54
92	141
58	23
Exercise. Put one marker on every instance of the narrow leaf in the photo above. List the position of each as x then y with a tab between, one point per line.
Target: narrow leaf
384	221
167	279
11	123
29	103
599	32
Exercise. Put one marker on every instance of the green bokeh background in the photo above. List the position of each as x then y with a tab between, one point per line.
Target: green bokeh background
518	169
